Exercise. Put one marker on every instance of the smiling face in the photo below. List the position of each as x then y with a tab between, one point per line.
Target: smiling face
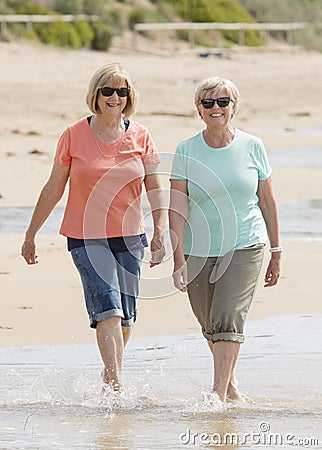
112	105
217	116
111	75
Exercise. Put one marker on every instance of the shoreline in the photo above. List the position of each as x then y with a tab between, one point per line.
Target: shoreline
152	339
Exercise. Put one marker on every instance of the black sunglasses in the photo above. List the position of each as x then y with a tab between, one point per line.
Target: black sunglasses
209	103
109	91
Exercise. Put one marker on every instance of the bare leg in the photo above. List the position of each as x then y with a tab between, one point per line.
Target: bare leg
126	331
225	355
233	392
110	342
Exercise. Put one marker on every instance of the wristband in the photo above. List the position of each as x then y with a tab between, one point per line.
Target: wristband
276	249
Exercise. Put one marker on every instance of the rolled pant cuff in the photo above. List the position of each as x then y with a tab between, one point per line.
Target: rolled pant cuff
127	322
104	315
233	337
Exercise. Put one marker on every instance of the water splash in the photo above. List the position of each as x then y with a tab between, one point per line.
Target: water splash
51	396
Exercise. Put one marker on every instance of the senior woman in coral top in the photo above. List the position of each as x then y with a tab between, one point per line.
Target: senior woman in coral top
107	159
222	207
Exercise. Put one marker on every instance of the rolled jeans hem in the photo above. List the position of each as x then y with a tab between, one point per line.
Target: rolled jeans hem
127	322
105	315
227	336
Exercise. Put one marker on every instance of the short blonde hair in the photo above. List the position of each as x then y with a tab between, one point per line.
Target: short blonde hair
111	73
211	86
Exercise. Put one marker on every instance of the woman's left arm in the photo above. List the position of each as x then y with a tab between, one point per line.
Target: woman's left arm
267	204
153	186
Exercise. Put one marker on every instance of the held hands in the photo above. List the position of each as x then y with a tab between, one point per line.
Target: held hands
157	250
28	251
273	270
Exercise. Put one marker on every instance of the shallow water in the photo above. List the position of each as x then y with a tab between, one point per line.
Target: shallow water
310	158
50	396
301	219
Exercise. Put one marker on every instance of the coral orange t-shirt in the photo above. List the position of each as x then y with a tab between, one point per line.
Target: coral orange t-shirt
104	197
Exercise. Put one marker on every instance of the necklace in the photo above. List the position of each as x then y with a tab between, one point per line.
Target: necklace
95	130
115	153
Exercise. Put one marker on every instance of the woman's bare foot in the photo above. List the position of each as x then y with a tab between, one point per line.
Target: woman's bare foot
234	394
108	384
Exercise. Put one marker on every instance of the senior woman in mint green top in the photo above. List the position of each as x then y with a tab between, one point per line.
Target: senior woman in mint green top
222	208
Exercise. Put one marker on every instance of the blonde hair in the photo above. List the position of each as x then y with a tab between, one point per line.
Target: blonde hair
111	73
211	86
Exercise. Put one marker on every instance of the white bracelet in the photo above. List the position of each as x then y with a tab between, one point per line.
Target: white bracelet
276	249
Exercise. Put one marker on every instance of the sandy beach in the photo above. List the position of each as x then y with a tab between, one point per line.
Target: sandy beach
43	90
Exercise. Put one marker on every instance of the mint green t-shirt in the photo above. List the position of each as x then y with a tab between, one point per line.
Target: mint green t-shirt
222	188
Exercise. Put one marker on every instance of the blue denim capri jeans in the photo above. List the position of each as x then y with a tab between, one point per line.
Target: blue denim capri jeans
110	281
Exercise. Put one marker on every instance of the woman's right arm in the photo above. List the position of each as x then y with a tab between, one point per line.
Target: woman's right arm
50	195
178	213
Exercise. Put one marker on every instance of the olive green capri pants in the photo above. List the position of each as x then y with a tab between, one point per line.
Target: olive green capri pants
221	290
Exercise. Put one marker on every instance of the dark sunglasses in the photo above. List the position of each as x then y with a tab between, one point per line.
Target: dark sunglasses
209	103
109	91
